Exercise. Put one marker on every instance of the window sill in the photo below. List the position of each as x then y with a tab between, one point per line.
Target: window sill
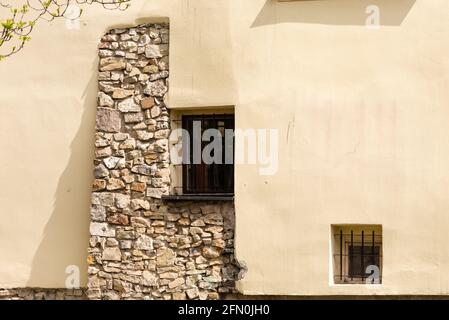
198	197
358	285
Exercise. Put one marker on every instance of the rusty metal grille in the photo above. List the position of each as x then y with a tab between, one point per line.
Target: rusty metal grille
357	257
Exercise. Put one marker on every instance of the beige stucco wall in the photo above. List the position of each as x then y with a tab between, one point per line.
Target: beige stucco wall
362	115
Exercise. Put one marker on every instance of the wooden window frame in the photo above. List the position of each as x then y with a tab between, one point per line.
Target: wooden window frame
207	179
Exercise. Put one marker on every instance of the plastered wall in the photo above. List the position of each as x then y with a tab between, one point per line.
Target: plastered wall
362	117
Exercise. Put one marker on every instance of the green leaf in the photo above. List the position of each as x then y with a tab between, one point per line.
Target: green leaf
8	24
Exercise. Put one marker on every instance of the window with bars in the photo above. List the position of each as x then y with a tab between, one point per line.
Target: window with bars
200	176
357	254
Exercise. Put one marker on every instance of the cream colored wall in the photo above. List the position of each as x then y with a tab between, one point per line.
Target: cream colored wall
362	116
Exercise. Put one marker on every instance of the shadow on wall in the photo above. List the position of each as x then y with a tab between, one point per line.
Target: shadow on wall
68	226
332	12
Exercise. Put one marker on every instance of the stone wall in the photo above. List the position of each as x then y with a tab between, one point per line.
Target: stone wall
42	294
143	247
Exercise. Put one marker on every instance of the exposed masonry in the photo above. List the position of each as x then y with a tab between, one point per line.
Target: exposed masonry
42	294
142	247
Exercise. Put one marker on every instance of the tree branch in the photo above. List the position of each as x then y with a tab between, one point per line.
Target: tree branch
16	29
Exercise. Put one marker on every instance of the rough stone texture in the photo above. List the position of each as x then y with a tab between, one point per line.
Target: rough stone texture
142	247
108	120
42	294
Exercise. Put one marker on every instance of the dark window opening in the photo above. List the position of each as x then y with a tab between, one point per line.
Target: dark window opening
204	177
362	258
357	255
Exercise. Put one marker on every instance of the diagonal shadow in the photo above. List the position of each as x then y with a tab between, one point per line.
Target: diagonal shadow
332	12
66	233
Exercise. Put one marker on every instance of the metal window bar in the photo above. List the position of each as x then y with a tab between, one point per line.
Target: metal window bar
351	250
355	253
362	256
341	255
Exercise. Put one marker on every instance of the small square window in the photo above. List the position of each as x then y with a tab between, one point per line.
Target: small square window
357	254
